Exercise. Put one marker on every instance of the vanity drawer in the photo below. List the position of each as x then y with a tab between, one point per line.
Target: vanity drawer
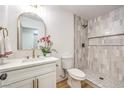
21	74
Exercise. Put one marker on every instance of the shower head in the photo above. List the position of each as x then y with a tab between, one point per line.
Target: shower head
84	25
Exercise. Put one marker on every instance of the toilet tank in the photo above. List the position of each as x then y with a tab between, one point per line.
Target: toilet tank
67	62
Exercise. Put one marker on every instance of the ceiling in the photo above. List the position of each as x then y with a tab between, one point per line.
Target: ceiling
89	11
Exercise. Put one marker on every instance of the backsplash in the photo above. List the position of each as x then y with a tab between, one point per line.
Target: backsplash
106	45
24	53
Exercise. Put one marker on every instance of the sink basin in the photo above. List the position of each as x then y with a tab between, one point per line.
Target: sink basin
33	59
5	61
2	63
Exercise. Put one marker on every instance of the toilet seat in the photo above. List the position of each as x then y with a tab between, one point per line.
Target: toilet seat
76	74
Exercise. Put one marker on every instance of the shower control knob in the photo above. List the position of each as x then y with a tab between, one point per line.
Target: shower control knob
3	76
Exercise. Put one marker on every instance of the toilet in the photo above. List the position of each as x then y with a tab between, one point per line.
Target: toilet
75	76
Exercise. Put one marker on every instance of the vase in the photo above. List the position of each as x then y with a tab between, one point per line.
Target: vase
46	54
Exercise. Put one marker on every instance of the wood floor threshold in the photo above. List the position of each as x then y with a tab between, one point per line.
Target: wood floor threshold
84	84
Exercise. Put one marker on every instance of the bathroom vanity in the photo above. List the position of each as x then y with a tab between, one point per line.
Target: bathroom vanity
30	73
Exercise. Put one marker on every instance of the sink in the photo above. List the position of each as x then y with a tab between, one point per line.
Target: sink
4	61
33	59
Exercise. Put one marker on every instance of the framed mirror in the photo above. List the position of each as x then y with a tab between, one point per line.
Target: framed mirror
30	27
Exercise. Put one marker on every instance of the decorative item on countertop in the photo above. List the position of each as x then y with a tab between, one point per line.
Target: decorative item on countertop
46	45
5	48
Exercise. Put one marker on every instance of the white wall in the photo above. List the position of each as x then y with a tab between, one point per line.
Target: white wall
59	25
3	15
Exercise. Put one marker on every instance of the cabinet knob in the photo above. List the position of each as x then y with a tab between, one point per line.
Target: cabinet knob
3	76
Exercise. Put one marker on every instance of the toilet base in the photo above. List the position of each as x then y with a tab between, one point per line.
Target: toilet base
73	83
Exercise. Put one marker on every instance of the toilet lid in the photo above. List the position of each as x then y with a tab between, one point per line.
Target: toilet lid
76	72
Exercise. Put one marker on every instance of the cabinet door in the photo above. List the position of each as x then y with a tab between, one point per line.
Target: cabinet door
47	80
29	83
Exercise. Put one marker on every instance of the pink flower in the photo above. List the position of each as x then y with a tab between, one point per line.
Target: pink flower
48	41
48	36
42	39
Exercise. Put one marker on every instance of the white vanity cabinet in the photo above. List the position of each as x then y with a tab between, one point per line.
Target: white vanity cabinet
40	76
47	80
21	84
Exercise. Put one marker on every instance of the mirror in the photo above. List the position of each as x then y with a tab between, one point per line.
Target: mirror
30	28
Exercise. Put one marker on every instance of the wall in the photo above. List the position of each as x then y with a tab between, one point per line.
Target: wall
80	36
106	46
59	25
3	15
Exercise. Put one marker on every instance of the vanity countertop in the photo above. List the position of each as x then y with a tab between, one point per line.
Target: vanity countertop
13	64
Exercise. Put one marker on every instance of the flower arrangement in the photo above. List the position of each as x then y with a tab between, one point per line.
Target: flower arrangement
46	45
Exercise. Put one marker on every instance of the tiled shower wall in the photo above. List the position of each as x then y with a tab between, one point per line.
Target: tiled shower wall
80	36
106	45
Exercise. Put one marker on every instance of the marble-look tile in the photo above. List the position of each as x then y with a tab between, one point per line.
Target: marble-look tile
106	54
80	37
112	40
108	24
